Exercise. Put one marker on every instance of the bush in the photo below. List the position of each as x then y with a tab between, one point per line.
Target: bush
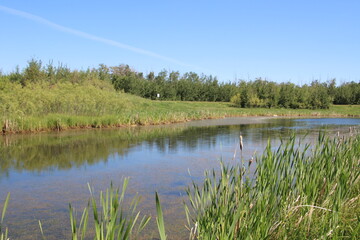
236	100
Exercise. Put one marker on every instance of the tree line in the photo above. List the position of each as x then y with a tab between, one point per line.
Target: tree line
190	86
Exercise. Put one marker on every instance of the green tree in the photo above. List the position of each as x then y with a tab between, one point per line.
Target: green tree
287	95
33	72
319	96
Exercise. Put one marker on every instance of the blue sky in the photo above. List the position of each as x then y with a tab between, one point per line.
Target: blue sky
295	41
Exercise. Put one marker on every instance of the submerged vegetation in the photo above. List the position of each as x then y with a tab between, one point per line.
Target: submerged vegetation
297	191
45	97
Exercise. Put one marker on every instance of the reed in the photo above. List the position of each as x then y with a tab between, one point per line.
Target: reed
160	218
110	220
4	232
299	191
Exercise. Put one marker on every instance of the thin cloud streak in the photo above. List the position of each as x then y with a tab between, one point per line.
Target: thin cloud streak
90	36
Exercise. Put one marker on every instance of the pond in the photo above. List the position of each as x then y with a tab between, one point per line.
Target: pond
47	171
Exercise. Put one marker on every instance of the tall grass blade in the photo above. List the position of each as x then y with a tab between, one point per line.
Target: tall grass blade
41	231
5	207
4	236
160	218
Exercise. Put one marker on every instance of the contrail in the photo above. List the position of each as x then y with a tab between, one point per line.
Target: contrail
90	36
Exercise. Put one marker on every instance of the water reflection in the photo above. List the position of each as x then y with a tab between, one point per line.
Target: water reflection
59	151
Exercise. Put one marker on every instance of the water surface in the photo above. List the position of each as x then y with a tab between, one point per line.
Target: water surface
45	172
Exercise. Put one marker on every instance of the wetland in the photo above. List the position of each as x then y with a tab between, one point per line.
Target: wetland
46	171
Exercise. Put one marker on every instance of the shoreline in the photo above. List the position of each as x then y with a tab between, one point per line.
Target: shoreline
96	122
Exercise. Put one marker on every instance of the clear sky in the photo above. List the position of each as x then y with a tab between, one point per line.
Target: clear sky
296	41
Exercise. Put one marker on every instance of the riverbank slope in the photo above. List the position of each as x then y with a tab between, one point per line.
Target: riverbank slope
130	110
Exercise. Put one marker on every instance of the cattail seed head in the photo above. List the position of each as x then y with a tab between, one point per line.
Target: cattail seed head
251	160
241	143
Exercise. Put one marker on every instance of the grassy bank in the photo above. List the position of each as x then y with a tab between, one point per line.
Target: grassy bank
96	104
148	112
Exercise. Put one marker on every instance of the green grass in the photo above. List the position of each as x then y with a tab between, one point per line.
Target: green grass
65	106
155	113
111	220
4	232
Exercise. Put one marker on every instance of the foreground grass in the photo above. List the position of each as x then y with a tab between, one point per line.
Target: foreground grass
66	106
298	192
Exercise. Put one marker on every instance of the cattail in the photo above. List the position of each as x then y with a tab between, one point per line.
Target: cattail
241	143
251	160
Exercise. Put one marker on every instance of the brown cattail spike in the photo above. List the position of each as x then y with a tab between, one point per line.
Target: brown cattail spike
241	143
251	160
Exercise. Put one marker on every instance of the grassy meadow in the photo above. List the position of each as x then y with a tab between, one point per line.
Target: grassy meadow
44	107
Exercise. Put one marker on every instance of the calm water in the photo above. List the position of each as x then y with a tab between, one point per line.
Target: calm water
45	172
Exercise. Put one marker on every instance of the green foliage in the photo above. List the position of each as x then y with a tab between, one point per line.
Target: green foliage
262	93
255	102
287	95
347	93
33	72
236	100
171	86
319	97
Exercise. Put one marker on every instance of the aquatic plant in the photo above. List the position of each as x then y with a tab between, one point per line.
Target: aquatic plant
160	218
110	219
4	232
299	191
